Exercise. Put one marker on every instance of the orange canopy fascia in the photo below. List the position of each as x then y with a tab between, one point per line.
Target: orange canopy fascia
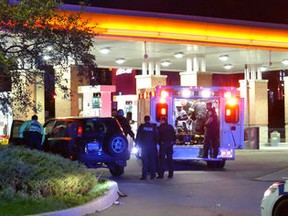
126	27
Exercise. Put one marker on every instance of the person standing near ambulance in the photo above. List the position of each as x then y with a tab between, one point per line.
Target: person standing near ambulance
167	138
146	140
211	136
33	133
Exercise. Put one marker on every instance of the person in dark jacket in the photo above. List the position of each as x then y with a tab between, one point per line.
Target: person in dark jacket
167	138
211	136
125	124
33	133
146	139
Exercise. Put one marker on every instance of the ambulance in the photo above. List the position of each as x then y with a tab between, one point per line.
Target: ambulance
185	109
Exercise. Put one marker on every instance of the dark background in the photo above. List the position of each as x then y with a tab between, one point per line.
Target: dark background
260	11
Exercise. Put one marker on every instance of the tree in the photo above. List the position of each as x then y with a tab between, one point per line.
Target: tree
38	32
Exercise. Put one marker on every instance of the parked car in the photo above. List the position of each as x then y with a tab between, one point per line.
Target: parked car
94	141
275	200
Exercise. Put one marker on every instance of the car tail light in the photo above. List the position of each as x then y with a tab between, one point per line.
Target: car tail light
79	131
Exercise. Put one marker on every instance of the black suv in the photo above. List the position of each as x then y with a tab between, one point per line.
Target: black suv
94	141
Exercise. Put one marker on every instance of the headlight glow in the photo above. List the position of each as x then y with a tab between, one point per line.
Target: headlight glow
134	150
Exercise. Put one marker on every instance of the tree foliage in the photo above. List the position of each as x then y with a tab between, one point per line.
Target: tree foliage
34	33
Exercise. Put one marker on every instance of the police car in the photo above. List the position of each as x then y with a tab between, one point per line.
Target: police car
275	200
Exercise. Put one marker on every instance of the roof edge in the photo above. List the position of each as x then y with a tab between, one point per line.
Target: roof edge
172	16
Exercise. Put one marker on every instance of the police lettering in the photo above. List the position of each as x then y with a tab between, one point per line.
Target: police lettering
148	128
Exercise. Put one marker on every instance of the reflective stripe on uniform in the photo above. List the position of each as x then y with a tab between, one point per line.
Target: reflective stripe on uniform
35	127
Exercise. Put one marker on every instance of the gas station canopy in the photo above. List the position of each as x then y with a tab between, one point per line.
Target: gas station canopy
132	37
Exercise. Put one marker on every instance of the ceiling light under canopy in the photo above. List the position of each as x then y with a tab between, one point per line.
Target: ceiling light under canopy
228	66
120	60
179	55
223	57
166	63
105	50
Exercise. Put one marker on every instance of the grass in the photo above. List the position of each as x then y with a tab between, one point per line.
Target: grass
33	182
27	206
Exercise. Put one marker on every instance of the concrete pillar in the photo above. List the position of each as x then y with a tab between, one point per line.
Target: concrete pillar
244	94
195	64
151	68
202	64
192	76
253	74
189	64
144	68
63	104
259	74
150	81
157	68
258	108
144	85
37	94
286	107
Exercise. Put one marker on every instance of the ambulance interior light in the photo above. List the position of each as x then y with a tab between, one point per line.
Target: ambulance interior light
164	94
186	93
206	93
227	94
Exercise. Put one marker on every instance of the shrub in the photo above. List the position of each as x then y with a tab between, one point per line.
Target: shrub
31	173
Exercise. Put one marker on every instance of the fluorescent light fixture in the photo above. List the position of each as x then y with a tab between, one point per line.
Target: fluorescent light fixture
104	50
285	62
228	66
120	60
166	63
179	55
223	57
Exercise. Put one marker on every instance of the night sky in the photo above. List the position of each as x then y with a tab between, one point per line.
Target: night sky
251	10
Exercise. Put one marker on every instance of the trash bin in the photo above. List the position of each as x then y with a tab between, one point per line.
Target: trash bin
275	138
251	138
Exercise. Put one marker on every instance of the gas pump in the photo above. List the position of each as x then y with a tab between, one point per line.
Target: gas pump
96	100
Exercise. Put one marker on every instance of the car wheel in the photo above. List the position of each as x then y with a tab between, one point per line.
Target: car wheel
281	209
118	145
216	164
116	170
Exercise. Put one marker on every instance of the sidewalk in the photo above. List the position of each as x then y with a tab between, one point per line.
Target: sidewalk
280	146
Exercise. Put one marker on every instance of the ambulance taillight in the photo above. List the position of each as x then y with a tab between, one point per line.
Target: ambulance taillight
161	111
232	110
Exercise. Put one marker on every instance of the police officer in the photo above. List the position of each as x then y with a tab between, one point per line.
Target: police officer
167	138
124	122
211	136
146	139
33	133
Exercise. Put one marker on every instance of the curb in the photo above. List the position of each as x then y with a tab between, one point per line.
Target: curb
96	205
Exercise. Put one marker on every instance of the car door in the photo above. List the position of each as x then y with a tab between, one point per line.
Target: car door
14	138
58	137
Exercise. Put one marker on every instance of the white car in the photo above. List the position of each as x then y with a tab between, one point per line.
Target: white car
275	200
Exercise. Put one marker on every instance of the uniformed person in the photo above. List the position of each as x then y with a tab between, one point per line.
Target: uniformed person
33	133
146	139
167	138
125	124
211	136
